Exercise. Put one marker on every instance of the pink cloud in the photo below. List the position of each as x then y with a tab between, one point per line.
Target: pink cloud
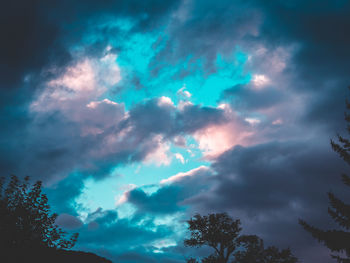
218	138
81	83
160	156
180	176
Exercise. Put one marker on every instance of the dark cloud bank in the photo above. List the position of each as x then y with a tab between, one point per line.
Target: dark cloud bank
269	185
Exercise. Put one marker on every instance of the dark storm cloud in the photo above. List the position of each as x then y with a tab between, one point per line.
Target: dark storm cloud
322	29
68	222
276	175
206	28
172	195
319	66
195	117
169	120
35	33
244	97
164	201
28	39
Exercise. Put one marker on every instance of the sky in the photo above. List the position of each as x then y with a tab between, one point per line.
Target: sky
138	114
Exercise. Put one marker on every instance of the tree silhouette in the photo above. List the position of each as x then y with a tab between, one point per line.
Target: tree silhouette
337	240
25	218
221	232
254	252
217	231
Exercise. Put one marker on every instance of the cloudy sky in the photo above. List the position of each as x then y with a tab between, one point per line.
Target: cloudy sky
138	114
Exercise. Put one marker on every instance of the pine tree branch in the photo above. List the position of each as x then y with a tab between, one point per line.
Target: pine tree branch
346	179
343	153
339	211
335	240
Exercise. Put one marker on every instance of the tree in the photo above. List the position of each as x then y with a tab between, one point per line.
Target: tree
337	240
221	232
217	231
25	218
254	252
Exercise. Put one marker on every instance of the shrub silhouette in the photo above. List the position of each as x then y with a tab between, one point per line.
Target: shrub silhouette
25	218
222	233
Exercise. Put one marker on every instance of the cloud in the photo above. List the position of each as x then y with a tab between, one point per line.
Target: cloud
27	23
75	127
63	110
180	157
181	176
309	65
40	40
164	201
172	194
47	29
215	139
249	98
269	186
117	238
159	156
183	93
68	222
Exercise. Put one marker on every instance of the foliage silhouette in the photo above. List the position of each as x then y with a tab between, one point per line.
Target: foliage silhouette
25	218
254	252
217	231
337	240
28	232
222	233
